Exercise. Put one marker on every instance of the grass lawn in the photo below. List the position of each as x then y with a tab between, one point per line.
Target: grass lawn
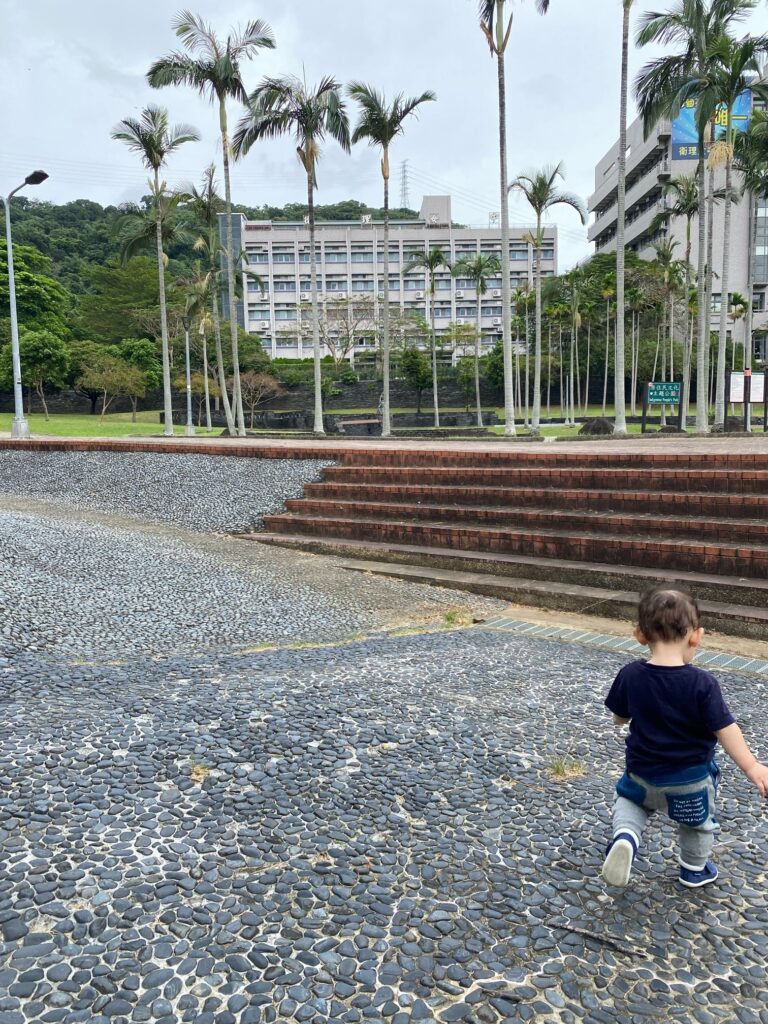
113	425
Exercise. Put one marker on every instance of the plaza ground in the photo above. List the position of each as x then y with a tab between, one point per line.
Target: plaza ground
239	784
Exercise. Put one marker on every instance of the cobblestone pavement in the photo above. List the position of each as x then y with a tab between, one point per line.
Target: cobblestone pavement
368	830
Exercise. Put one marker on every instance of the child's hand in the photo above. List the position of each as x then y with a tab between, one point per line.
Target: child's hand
758	776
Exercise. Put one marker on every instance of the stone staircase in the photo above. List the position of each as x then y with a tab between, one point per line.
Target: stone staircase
558	529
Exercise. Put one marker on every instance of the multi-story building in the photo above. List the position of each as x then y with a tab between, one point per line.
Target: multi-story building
651	163
350	266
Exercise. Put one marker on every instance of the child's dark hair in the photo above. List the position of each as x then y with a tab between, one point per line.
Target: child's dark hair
667	613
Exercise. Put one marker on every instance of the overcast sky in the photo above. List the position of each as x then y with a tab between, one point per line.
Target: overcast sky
72	68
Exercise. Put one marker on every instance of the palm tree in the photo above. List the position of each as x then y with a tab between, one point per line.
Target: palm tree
752	160
212	66
620	417
542	193
496	28
683	192
662	86
197	307
431	262
285	106
671	275
206	204
380	123
734	64
478	269
137	227
151	136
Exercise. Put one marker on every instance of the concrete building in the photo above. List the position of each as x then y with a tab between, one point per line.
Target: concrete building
651	163
350	267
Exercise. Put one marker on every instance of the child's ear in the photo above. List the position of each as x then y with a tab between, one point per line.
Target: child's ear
696	637
640	636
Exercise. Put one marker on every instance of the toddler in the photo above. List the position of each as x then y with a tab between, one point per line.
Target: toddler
676	715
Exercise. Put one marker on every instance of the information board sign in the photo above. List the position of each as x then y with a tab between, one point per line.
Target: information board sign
756	388
664	393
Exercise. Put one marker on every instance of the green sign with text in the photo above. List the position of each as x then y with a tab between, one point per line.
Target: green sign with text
666	393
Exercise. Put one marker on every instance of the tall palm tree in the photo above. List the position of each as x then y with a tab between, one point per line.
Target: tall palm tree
752	161
682	199
154	139
496	28
212	66
671	274
380	123
286	106
542	193
206	204
432	261
661	88
734	63
478	269
196	290
620	416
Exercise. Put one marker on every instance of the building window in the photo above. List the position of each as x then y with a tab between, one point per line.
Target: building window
414	284
758	302
283	257
285	314
362	286
466	311
335	257
258	257
362	257
285	286
336	286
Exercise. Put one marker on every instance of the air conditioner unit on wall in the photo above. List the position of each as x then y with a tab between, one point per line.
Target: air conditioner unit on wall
264	325
459	295
304	297
419	295
497	293
497	320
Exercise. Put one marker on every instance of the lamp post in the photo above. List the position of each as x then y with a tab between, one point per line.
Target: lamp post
20	427
189	429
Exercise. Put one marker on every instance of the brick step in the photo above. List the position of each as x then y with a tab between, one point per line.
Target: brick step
647	524
560	457
719	481
688	502
732	619
551	572
723	557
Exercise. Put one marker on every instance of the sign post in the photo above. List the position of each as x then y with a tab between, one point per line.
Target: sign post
747	388
663	393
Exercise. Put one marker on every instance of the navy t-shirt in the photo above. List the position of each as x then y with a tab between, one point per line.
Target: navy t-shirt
675	712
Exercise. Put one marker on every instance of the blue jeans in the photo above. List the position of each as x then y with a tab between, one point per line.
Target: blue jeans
691	805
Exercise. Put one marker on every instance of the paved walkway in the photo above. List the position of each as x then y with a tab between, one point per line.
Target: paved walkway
757	444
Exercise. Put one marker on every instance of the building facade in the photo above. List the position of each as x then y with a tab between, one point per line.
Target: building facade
651	163
351	275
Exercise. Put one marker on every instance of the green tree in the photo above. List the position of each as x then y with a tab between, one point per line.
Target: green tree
155	140
733	66
496	28
478	269
416	372
541	191
44	362
212	66
41	302
112	377
661	88
380	123
432	261
116	296
142	353
286	106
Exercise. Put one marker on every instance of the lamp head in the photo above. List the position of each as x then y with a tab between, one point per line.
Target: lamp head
35	178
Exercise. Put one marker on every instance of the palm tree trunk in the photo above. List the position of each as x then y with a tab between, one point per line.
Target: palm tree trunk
708	277
220	365
620	419
688	337
721	344
205	379
586	372
434	347
527	365
702	419
578	368
748	316
549	370
570	384
386	427
478	330
506	304
607	345
167	401
536	416
237	397
318	427
664	334
560	360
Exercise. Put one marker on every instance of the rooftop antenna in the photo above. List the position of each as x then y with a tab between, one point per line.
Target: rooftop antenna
405	199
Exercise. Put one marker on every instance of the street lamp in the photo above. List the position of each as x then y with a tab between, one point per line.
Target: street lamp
20	428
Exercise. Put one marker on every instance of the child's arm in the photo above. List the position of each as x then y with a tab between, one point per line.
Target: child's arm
618	721
733	743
